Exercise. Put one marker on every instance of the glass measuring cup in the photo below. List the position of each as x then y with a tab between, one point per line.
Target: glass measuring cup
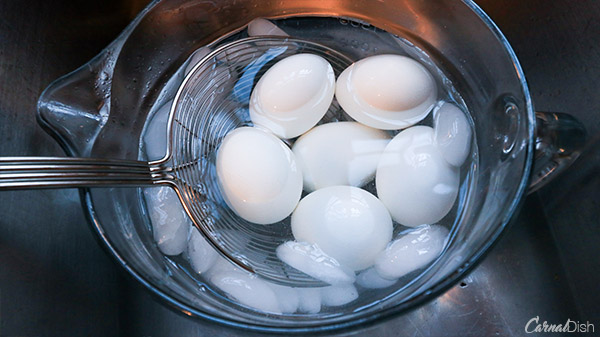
506	177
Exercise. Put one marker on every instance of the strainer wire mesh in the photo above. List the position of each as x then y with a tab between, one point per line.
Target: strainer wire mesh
212	101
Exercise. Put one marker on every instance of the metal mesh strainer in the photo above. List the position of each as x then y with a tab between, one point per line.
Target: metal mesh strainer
212	101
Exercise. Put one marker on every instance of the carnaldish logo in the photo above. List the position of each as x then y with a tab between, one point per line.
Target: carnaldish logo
534	325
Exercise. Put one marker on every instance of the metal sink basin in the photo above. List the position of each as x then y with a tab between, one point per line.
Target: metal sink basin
55	281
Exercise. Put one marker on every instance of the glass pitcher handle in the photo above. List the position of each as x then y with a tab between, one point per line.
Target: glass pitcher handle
558	143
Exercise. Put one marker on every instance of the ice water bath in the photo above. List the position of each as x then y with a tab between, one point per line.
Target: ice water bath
361	285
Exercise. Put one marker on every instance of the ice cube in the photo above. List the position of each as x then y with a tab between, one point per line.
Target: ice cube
155	136
452	133
170	224
200	253
416	249
370	279
261	26
310	300
288	298
246	289
196	57
221	265
309	259
334	296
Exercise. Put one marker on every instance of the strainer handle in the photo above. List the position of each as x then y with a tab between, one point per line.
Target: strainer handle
57	172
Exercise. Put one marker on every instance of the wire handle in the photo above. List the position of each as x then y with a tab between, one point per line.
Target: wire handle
58	172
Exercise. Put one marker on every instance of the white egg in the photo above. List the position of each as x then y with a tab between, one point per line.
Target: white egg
310	300
155	136
386	92
347	223
258	175
170	224
259	26
415	250
293	95
452	133
200	253
334	296
344	153
310	259
371	279
414	181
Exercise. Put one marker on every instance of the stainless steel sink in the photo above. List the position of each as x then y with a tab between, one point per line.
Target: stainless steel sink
56	281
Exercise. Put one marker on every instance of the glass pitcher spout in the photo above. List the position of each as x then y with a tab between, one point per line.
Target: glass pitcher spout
74	108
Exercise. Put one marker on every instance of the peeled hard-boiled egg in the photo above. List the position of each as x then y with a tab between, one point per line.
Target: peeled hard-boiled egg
258	175
347	223
452	133
387	91
293	95
413	179
344	153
